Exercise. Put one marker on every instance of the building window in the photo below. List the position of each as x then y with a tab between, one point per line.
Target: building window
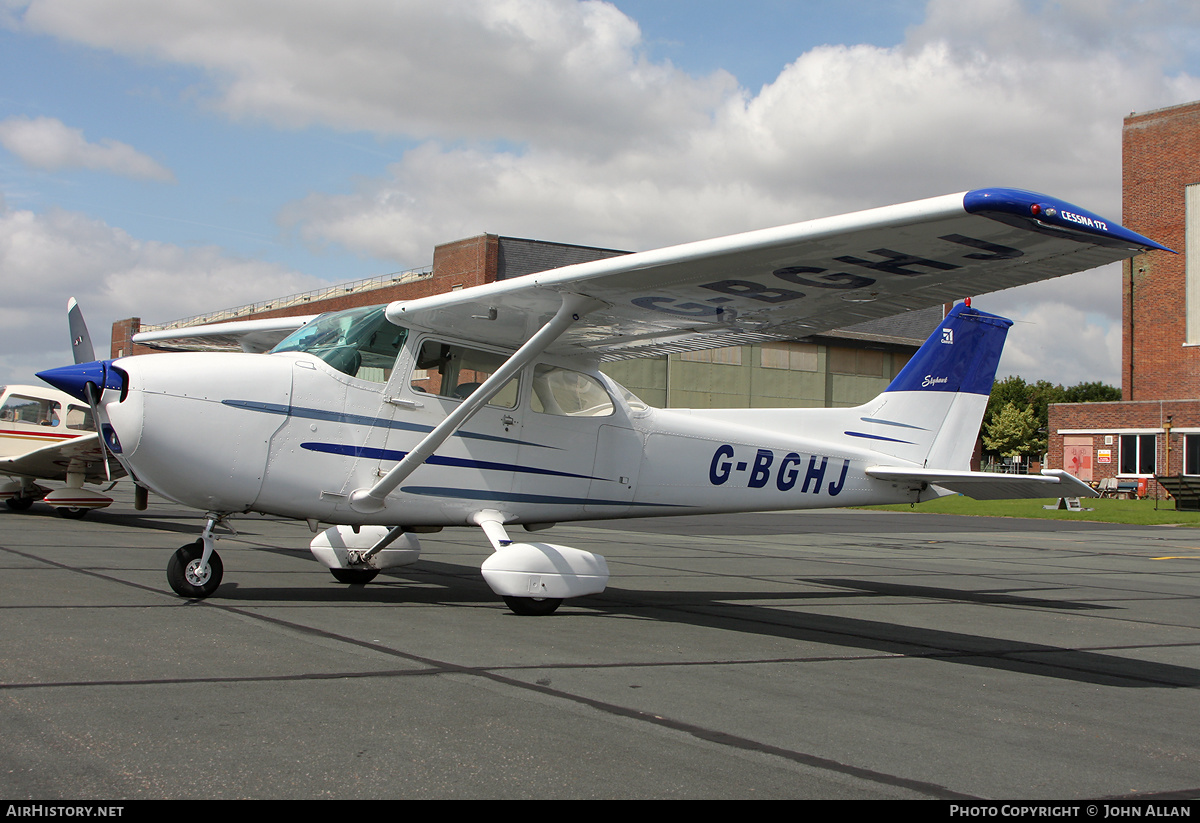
1137	453
1191	454
1191	262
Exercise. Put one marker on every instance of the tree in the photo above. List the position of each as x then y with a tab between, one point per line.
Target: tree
1096	392
1036	398
1014	432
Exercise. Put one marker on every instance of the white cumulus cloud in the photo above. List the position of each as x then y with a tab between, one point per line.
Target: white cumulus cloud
46	143
546	119
49	257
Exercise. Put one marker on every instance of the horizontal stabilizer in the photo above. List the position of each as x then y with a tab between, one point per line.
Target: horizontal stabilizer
989	485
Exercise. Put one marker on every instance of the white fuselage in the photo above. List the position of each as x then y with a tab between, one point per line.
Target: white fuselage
290	435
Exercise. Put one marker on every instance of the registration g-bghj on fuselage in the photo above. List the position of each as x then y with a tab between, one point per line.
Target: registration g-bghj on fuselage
486	407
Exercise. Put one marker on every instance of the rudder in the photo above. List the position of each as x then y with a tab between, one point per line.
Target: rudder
931	412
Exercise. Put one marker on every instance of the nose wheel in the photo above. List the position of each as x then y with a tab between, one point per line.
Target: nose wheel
189	576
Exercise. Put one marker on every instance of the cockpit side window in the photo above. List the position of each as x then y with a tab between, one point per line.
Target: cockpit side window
362	343
31	410
454	371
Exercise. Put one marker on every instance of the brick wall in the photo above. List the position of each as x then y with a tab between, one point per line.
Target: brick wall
1161	157
1160	376
1098	420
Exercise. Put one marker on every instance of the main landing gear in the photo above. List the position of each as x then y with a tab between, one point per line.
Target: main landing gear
72	502
532	606
533	579
354	577
19	504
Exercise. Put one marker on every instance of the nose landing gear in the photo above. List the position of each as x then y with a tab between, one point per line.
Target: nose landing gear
195	570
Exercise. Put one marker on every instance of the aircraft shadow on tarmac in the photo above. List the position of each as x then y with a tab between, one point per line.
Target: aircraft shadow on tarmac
157	521
778	615
448	584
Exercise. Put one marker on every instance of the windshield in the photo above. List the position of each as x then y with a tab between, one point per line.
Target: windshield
359	342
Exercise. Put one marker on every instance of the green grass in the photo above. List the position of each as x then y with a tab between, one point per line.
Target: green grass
1105	510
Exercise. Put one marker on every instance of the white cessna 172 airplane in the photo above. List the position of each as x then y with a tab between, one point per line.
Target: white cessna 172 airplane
486	406
48	435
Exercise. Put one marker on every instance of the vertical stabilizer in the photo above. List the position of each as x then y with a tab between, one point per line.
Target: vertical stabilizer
930	414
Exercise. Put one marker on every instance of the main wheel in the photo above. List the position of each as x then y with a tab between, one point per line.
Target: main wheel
533	606
185	575
354	576
19	504
77	513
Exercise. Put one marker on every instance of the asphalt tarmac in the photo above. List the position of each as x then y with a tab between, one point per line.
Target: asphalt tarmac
828	654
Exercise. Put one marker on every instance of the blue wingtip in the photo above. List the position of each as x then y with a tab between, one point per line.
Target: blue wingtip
1042	213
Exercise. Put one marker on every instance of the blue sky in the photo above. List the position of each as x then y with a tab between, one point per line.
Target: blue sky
162	160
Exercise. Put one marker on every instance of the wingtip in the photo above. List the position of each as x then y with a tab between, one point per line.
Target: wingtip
1050	214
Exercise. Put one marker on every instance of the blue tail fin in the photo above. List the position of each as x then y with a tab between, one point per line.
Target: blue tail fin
960	356
929	415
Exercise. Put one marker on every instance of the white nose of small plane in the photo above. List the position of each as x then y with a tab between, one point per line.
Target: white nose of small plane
193	427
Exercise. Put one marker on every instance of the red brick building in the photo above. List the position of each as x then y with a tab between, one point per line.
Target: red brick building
1155	429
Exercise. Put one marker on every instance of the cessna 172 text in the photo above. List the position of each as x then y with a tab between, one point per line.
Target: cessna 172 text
486	406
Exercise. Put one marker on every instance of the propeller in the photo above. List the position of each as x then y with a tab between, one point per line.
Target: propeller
81	341
87	380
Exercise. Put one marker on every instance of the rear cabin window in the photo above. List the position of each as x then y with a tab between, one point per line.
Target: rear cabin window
569	393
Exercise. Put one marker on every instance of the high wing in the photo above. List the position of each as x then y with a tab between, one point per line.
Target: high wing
82	454
254	336
790	281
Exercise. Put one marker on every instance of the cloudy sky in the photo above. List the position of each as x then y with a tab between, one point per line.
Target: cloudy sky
166	159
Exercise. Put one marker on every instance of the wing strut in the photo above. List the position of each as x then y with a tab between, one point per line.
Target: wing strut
574	306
